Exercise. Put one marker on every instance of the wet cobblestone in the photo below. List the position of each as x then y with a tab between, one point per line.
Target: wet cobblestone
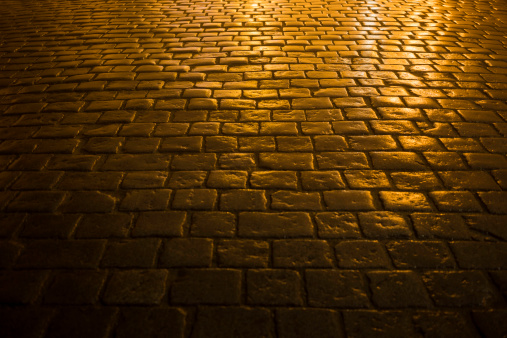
234	168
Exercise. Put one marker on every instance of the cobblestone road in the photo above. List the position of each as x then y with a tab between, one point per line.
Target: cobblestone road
175	168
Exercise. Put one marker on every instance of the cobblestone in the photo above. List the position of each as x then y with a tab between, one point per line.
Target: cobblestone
87	321
448	288
211	286
240	169
75	287
274	287
389	289
137	321
136	287
332	288
230	321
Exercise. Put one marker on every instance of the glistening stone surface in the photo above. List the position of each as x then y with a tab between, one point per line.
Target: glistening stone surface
235	168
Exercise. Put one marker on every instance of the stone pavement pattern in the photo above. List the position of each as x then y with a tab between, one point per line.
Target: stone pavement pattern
289	168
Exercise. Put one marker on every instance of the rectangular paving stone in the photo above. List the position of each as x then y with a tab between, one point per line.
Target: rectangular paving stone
243	128
364	179
448	322
274	287
460	201
395	113
337	225
394	200
228	321
19	133
440	225
384	224
304	322
171	129
194	199
68	146
74	287
9	252
335	289
237	104
146	179
424	254
257	143
26	108
243	199
284	224
61	254
372	142
278	128
420	143
349	200
49	225
324	115
187	179
142	321
21	286
104	105
352	102
287	200
36	201
468	180
17	146
361	323
480	255
96	202
122	162
87	321
274	179
243	253
360	254
329	142
449	289
495	201
312	103
181	144
280	161
342	160
194	162
227	179
207	286
213	224
58	132
103	225
416	180
145	200
159	223
321	180
485	161
490	224
36	180
133	253
171	104
186	252
489	321
397	289
444	160
39	119
302	253
198	103
139	287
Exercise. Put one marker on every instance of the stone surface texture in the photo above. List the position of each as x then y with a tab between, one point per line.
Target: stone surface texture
236	168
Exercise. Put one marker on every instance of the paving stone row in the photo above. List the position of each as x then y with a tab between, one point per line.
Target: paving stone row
228	168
